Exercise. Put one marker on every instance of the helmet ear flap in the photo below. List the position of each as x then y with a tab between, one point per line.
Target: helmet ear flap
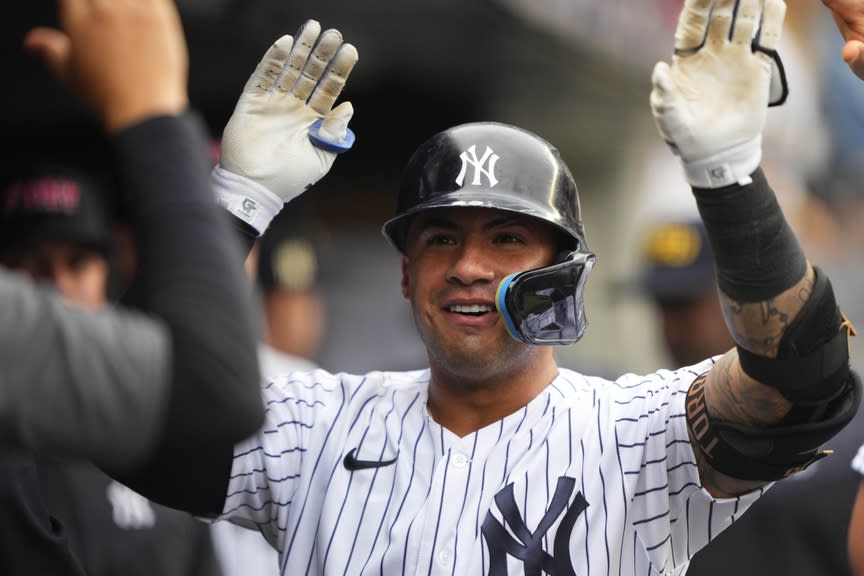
546	306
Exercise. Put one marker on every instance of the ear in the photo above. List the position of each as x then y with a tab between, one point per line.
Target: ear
405	292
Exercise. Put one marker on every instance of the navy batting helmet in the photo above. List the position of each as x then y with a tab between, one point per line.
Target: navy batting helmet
494	165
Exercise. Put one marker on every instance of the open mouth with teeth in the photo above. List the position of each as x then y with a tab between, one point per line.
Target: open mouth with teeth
472	309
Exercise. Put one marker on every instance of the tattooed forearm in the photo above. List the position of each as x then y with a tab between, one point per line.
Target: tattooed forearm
732	396
759	326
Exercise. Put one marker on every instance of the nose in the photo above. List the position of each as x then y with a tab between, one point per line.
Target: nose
472	263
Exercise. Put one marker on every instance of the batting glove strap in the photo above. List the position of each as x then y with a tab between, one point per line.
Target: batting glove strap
731	166
246	199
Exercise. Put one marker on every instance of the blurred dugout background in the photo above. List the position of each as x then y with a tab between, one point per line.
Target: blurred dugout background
577	72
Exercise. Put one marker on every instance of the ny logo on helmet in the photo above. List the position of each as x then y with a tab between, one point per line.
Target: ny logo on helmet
483	166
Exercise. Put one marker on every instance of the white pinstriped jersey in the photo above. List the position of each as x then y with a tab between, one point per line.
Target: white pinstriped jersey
858	461
590	478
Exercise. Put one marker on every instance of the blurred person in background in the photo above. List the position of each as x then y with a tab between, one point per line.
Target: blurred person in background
56	226
286	274
679	279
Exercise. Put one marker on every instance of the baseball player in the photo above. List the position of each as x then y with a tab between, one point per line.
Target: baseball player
494	460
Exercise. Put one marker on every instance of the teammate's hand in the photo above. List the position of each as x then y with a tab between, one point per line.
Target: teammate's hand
125	60
296	84
710	104
849	16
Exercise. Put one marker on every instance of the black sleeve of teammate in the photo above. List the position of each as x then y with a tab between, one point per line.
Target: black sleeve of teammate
190	274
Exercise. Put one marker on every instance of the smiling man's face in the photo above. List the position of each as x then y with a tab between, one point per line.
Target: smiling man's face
454	260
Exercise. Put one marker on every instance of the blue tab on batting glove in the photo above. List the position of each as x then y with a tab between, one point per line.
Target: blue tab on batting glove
328	144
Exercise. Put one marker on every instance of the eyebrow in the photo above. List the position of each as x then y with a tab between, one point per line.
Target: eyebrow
448	224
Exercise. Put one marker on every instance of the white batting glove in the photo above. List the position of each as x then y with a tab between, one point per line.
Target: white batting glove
284	134
710	104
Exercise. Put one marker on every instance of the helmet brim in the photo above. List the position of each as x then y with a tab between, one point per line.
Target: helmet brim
396	229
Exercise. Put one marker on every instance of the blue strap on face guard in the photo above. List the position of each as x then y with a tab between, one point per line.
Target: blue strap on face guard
545	306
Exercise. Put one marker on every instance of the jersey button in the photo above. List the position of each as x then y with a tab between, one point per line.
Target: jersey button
460	460
445	558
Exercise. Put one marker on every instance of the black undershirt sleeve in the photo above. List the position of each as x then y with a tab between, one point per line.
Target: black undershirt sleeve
246	234
190	274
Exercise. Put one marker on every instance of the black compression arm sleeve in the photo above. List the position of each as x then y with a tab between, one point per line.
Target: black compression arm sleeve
757	254
190	274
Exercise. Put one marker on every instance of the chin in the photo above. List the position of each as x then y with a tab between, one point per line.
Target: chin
474	360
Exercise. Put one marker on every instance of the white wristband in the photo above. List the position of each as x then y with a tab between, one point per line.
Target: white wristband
731	166
245	198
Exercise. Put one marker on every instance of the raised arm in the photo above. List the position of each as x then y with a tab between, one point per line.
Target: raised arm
285	132
766	407
127	61
282	137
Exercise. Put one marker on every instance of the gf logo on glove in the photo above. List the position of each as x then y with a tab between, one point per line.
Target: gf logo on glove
719	174
249	207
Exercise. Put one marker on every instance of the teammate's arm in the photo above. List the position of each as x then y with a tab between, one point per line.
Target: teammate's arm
105	374
856	524
188	264
766	406
856	534
849	16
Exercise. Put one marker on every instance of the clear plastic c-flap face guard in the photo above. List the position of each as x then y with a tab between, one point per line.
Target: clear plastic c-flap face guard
545	306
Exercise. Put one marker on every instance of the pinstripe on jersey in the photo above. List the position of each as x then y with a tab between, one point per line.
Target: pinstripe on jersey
590	478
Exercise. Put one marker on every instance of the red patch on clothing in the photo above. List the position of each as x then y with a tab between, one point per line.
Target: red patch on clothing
44	195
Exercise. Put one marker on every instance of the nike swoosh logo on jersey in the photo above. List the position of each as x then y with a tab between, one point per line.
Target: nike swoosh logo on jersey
352	463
